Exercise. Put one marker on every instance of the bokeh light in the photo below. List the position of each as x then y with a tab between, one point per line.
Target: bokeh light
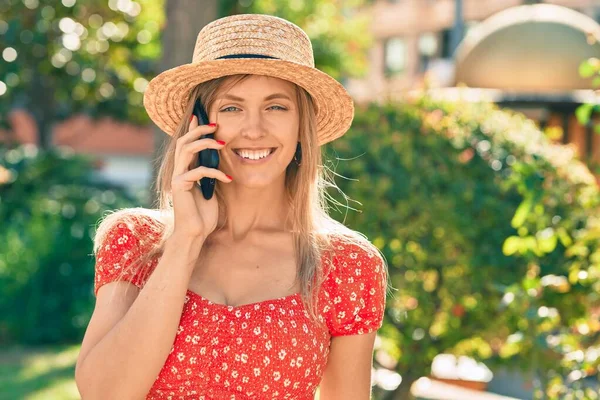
31	4
88	75
140	85
9	54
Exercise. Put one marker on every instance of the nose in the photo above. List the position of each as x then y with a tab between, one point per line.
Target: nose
253	126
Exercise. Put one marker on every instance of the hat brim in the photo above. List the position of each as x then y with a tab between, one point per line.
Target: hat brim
166	96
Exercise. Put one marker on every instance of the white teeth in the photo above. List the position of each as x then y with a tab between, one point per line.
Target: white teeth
253	155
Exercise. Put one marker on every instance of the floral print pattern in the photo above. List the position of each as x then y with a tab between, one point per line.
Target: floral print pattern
269	349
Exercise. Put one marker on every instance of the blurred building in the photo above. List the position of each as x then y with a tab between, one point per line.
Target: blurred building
122	151
412	40
518	54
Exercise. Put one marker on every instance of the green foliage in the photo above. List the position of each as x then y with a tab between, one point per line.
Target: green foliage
488	230
90	57
589	68
97	57
332	28
49	205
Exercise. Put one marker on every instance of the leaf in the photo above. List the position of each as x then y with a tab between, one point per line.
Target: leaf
583	113
511	245
586	69
522	212
564	237
547	245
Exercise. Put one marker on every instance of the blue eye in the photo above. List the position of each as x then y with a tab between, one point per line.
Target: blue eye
225	109
233	108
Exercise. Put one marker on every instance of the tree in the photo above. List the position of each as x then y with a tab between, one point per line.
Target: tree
185	19
339	31
490	232
63	58
587	113
50	202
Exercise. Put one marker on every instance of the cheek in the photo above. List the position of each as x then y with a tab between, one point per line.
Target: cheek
224	134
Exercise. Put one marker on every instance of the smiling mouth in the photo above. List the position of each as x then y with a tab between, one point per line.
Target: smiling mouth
254	155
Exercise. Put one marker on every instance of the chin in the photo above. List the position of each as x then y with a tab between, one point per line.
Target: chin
257	182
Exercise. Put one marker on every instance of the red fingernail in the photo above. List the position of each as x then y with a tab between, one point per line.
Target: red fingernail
212	124
220	142
191	118
230	178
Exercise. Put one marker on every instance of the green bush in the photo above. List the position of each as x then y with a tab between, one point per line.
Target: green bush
486	226
49	208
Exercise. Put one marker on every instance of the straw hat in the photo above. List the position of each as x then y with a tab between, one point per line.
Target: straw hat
251	44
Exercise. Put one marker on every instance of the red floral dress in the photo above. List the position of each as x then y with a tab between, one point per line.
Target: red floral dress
269	349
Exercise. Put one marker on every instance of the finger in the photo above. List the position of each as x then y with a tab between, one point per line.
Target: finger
193	123
189	152
195	132
189	179
204	172
202	144
182	161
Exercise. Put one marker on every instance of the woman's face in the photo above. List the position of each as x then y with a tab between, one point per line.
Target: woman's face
258	119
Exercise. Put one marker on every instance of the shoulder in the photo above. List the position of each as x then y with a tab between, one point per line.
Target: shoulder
354	263
354	287
127	228
124	246
350	255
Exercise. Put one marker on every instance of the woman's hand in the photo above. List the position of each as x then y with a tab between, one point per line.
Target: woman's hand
195	216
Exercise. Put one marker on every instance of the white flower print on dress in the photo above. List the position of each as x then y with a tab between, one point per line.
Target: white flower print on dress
210	337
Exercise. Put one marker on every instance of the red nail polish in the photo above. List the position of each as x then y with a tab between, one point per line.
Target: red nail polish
212	124
191	117
230	178
220	142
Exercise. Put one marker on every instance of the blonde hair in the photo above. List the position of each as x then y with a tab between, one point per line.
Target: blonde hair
313	228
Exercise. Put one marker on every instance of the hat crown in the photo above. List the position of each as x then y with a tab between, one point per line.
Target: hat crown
254	34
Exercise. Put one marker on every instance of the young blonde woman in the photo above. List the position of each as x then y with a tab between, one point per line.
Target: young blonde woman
255	293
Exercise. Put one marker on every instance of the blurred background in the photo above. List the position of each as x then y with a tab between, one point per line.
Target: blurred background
473	158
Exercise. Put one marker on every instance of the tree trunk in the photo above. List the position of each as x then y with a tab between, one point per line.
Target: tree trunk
184	20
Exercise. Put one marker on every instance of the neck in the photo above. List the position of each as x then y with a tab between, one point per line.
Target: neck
254	210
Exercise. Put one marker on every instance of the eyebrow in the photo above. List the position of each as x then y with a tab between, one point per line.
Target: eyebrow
269	97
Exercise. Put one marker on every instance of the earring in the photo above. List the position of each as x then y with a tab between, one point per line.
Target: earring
298	155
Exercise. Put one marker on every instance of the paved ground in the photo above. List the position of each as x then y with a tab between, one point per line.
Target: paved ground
427	389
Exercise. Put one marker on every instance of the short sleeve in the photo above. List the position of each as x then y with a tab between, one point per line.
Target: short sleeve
117	255
355	290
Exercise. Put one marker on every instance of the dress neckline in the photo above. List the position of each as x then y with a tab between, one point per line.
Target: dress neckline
202	299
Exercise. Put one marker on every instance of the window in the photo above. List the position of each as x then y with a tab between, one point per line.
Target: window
446	51
428	49
395	56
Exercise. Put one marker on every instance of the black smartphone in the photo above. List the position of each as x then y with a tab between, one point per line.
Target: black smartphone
208	157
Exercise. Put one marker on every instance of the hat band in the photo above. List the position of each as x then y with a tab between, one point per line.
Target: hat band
246	56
